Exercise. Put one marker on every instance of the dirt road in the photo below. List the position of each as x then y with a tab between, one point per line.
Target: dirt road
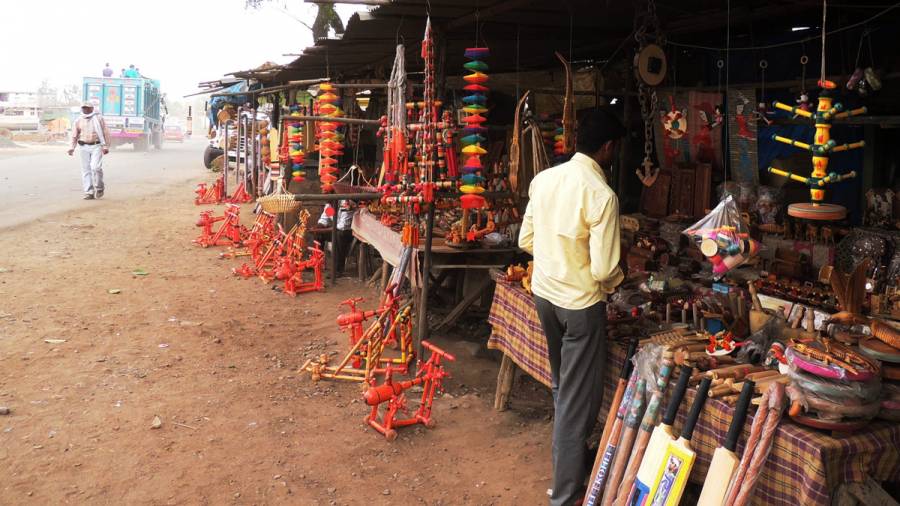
39	180
85	371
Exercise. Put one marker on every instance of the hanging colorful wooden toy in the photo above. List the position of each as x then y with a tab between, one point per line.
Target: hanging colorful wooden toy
474	109
823	145
294	134
331	140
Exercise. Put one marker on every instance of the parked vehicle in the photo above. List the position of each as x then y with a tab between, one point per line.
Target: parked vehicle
174	133
131	108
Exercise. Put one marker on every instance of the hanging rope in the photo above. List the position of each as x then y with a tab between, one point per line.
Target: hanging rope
518	27
727	160
824	18
396	97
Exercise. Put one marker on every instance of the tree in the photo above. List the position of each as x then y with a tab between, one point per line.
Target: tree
48	95
326	17
71	95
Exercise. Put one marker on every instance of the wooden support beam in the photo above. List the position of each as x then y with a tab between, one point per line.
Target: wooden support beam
486	13
351	2
504	383
422	330
464	304
348	121
870	493
334	239
291	85
362	261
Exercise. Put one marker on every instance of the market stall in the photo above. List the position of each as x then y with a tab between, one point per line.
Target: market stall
806	465
758	225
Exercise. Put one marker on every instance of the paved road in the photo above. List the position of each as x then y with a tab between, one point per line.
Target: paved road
38	181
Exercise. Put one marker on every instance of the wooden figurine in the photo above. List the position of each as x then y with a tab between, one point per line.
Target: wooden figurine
827	235
812	233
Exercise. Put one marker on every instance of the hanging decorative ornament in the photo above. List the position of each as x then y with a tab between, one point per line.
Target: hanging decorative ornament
295	154
803	101
559	141
331	140
473	133
827	111
264	152
675	122
821	148
568	117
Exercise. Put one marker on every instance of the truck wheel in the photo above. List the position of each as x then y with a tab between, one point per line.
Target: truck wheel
210	154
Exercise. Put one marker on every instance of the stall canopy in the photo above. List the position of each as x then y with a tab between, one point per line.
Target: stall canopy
528	32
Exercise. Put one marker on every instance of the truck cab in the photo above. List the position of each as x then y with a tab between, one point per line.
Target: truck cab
131	108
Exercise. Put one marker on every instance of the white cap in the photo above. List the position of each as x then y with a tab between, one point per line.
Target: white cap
87	104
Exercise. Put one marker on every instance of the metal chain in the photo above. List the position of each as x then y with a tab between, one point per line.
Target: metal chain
647	97
649	107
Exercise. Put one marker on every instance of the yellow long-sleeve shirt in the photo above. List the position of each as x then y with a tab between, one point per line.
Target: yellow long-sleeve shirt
571	227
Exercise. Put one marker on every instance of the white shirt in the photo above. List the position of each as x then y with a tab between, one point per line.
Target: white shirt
571	227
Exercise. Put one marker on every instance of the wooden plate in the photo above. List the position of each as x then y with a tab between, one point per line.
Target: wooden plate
823	212
880	350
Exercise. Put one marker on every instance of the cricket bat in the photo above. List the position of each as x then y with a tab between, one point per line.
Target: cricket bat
659	440
724	460
633	393
624	374
678	459
651	417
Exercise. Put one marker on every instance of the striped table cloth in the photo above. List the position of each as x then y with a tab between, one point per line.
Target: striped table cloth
805	466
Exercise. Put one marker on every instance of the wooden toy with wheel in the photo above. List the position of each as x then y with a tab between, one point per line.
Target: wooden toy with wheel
821	148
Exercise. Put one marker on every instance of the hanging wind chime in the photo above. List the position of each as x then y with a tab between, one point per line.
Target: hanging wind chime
331	140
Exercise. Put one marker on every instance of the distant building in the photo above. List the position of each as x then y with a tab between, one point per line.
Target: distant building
19	110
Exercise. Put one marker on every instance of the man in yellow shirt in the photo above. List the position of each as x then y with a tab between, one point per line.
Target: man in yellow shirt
571	227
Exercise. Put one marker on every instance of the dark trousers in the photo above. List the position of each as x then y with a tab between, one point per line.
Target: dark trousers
344	241
576	340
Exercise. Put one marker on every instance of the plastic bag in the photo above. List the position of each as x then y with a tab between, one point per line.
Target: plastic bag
723	238
861	391
745	194
647	363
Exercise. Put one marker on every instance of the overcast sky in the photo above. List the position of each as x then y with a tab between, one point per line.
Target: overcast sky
179	42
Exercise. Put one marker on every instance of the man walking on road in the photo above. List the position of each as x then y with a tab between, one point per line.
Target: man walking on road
92	138
571	227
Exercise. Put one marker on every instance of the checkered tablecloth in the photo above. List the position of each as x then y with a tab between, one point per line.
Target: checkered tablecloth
805	465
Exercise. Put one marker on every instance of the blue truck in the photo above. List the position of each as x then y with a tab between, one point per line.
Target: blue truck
132	107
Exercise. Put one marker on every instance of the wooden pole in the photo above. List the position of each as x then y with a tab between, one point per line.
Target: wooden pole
254	190
422	331
349	121
504	383
334	237
327	197
622	172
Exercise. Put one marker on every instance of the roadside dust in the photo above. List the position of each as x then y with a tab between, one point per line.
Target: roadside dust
215	358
